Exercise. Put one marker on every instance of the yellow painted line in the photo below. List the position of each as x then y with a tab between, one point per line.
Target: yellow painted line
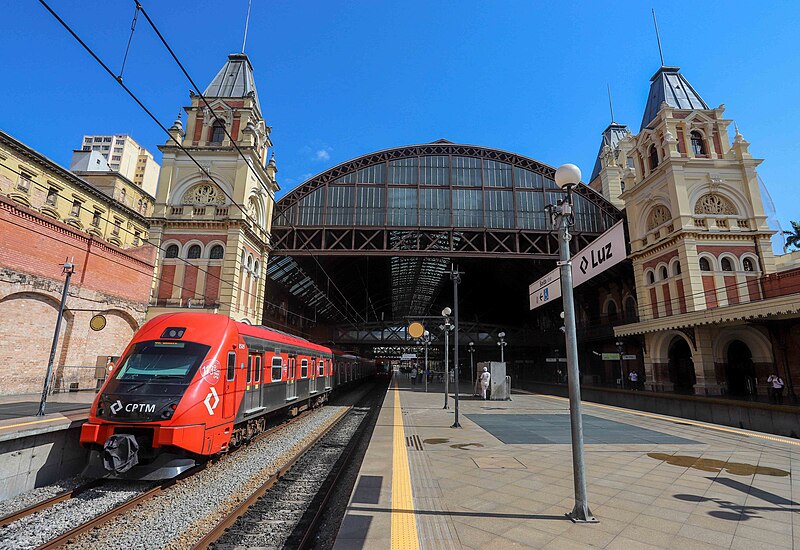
31	422
681	420
404	521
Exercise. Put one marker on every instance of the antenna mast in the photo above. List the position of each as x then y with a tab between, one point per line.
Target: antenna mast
246	23
658	38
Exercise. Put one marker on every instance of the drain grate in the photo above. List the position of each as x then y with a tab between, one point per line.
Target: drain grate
414	442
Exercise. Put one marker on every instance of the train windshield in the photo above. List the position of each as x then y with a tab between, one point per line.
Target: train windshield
162	360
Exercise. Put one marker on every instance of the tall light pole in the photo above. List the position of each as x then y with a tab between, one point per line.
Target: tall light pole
620	347
567	177
455	276
68	269
446	328
502	343
471	350
426	339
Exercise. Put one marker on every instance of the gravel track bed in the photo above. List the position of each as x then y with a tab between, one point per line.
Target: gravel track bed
179	516
34	530
280	516
40	494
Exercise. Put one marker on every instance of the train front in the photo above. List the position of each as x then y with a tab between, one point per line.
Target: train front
160	408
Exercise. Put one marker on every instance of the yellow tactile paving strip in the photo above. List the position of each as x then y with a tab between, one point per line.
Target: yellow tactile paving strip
404	521
682	420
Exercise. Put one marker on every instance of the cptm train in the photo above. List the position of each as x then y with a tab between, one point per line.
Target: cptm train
193	385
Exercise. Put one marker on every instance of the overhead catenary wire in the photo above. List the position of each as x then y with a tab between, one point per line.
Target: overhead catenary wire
153	117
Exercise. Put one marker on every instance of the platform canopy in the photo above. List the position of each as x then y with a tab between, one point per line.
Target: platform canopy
372	238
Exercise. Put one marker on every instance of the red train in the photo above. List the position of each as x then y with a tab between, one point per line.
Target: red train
192	385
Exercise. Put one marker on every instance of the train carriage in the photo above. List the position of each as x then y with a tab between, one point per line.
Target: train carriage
192	385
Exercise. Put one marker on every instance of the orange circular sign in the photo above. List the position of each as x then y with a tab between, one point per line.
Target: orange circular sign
416	330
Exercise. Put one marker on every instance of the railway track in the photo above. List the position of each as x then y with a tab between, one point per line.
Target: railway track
286	510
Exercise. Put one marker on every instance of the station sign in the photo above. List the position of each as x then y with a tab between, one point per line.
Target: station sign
611	357
555	360
408	357
606	251
629	358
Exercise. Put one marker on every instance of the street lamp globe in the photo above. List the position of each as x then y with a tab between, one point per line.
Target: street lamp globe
568	174
501	334
446	311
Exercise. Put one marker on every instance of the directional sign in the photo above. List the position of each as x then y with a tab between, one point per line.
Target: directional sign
408	357
555	360
611	357
629	358
605	251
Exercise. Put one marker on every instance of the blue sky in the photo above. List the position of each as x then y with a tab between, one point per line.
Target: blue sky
345	78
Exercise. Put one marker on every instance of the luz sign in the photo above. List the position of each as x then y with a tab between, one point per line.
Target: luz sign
605	251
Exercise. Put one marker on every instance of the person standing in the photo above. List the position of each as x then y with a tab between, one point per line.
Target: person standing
633	378
413	376
776	388
485	378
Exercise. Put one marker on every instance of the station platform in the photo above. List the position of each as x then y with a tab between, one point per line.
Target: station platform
504	479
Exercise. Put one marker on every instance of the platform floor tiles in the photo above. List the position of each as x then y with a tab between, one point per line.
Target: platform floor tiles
504	479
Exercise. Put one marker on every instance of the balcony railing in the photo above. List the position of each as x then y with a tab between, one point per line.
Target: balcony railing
190	212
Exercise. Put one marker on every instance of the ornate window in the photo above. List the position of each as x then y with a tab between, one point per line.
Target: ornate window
194	252
747	264
658	215
205	193
676	269
704	264
217	132
172	251
698	144
217	252
664	273
725	264
651	278
652	154
713	204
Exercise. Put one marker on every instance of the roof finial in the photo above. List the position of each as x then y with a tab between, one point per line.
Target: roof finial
180	112
658	38
246	24
610	105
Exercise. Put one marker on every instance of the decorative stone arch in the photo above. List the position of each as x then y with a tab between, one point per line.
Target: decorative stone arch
730	257
166	244
649	276
607	303
740	203
712	260
210	246
204	193
675	267
662	341
125	316
753	258
199	178
257	209
759	344
658	215
184	253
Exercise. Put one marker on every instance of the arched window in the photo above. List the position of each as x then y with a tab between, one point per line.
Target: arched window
653	156
747	264
249	262
218	132
256	268
611	312
172	251
704	265
676	269
122	194
194	252
698	144
651	278
664	274
217	252
725	264
630	307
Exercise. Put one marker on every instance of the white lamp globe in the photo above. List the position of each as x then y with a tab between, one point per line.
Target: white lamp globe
568	174
446	311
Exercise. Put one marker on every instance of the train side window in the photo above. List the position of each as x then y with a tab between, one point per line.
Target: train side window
277	368
258	369
231	372
304	368
249	368
321	371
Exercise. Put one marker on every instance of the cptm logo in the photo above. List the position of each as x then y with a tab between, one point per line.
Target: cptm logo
132	407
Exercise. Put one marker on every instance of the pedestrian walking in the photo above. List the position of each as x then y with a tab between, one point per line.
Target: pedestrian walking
776	388
485	378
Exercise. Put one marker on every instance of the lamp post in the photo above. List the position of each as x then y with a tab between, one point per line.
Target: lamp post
567	177
471	350
502	343
621	346
446	328
426	339
455	276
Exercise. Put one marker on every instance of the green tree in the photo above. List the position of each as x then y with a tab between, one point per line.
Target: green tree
793	236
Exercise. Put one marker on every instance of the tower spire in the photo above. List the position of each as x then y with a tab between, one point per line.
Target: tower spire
610	105
247	23
658	38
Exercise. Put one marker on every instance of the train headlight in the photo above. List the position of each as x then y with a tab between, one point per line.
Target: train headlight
99	411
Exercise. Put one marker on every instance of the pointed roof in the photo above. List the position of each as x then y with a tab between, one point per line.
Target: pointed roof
234	79
670	86
611	137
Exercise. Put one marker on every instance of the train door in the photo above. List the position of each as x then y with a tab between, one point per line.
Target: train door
229	398
257	391
291	385
312	383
